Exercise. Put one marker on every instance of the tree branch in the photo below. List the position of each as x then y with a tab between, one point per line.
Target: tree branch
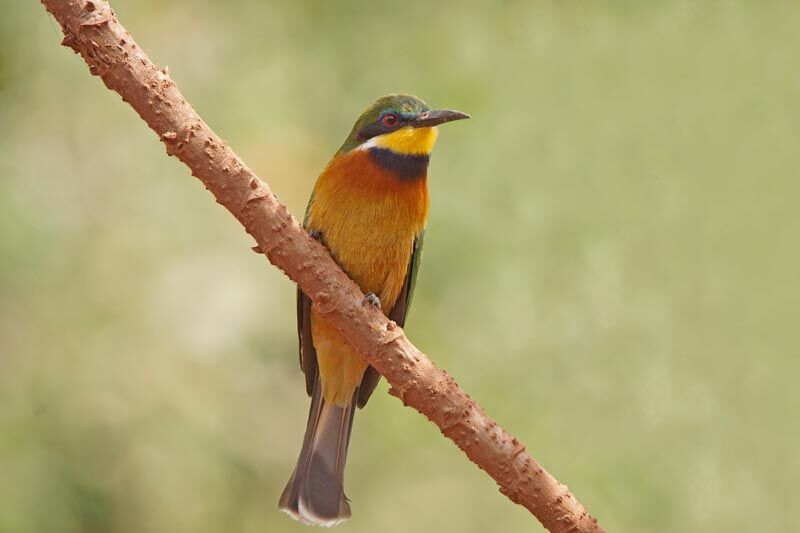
91	29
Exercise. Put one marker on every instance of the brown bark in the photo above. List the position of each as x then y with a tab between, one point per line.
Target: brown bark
91	29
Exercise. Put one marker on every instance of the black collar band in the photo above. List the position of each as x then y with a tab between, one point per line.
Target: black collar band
405	166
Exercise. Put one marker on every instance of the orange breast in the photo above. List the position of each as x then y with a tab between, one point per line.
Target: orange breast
368	219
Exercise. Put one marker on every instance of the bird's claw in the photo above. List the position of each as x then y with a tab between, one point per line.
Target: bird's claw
315	234
372	299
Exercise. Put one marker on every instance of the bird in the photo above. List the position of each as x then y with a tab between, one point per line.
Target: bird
369	208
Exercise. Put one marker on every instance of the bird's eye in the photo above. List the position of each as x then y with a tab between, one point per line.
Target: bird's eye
390	120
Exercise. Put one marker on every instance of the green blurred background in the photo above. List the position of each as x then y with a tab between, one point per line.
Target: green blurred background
610	267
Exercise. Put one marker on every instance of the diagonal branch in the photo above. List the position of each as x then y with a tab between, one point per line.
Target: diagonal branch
91	29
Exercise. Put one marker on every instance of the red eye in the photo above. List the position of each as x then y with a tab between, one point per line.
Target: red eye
390	120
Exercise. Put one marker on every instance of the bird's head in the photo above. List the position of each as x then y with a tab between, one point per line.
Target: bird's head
401	123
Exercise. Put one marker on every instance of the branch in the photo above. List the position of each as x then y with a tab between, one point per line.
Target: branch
91	29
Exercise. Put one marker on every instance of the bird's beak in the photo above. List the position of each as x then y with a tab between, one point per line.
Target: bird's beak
435	117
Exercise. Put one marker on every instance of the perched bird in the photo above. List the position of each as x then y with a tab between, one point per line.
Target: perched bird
369	208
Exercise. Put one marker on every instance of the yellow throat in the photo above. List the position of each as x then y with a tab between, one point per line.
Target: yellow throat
407	141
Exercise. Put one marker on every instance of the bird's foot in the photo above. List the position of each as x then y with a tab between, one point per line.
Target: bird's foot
315	234
372	299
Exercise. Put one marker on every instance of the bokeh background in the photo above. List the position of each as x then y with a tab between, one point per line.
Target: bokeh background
611	267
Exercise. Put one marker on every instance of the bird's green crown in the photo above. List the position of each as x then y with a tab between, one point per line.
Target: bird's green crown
370	123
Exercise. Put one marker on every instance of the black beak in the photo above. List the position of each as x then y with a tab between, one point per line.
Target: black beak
435	117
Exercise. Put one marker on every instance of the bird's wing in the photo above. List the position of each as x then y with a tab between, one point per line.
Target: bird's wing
308	354
398	314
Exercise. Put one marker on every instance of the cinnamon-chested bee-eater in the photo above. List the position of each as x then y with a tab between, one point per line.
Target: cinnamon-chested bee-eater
369	208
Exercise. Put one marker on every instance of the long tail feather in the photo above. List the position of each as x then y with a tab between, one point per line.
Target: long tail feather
315	492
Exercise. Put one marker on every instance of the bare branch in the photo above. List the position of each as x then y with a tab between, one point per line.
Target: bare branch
91	29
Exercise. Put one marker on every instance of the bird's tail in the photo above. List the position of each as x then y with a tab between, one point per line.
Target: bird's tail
315	492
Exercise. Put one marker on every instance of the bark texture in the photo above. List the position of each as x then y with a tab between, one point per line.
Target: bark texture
92	30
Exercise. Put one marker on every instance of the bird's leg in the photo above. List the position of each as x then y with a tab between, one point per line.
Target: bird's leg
372	299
